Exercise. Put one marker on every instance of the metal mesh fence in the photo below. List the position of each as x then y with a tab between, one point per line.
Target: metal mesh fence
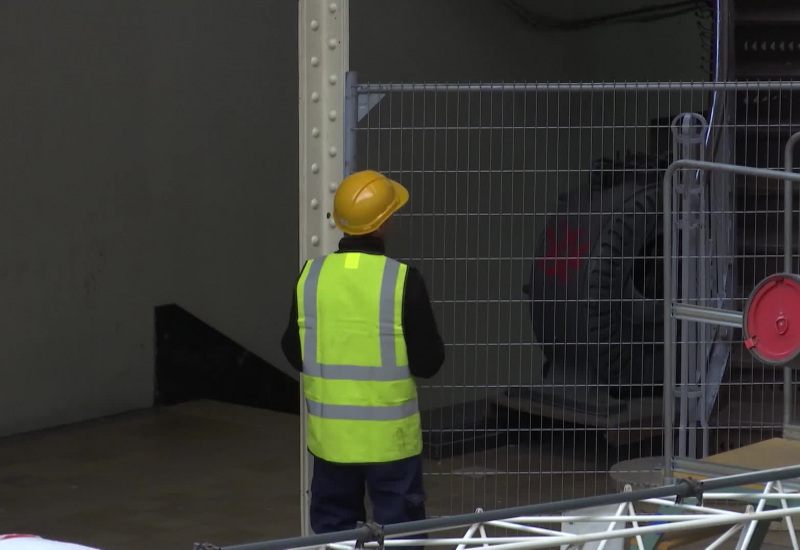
535	218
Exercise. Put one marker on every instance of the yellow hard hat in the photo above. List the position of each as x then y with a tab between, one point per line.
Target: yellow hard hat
365	200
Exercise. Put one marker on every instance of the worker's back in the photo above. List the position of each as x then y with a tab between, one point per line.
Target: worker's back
358	388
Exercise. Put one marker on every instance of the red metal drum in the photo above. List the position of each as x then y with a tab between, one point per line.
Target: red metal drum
771	321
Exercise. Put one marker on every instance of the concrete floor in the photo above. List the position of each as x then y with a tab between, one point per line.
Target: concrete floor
159	479
212	472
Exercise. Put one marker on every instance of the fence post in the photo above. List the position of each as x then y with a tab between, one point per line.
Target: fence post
688	130
350	122
323	59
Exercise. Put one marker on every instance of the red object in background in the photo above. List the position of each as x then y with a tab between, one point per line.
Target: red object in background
772	319
17	536
563	252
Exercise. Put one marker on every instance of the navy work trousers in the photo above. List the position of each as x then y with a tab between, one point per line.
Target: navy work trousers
337	493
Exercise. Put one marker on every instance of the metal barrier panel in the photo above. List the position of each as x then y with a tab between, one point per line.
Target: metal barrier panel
693	314
535	218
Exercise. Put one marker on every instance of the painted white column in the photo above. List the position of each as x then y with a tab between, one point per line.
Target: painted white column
323	59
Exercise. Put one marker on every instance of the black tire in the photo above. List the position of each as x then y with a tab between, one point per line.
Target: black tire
624	282
600	308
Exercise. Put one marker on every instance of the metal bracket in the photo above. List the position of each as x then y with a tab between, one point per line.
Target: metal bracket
366	102
791	431
375	534
695	491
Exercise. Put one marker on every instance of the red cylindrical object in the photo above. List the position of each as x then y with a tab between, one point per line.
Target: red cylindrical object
772	321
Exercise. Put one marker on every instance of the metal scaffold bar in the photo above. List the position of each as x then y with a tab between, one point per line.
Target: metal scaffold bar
683	489
578	87
711	315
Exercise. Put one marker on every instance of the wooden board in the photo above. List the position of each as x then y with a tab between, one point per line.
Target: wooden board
764	455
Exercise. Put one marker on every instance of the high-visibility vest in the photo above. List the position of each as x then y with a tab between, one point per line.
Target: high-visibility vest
360	396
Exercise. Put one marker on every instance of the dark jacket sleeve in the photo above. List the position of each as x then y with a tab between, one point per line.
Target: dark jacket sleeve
423	341
290	343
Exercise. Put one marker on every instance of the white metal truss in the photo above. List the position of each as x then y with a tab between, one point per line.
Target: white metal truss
323	48
624	522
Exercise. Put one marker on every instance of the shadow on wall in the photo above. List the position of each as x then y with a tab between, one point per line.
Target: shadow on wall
196	361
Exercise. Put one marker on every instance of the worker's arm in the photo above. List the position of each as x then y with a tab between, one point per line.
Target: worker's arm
290	343
423	342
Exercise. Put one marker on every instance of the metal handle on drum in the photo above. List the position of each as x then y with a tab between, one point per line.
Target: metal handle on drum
782	322
707	315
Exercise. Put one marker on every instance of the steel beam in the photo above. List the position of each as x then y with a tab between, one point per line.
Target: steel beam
323	59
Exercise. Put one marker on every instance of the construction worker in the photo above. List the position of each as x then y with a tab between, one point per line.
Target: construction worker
361	327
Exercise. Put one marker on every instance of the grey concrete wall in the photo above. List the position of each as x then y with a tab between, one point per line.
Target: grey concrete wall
148	152
223	142
77	214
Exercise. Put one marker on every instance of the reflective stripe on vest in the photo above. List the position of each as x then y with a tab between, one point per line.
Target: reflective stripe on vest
363	406
356	412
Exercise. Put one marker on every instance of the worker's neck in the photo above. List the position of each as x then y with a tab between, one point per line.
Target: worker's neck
370	244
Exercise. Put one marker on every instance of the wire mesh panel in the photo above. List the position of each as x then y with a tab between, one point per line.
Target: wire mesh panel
535	218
